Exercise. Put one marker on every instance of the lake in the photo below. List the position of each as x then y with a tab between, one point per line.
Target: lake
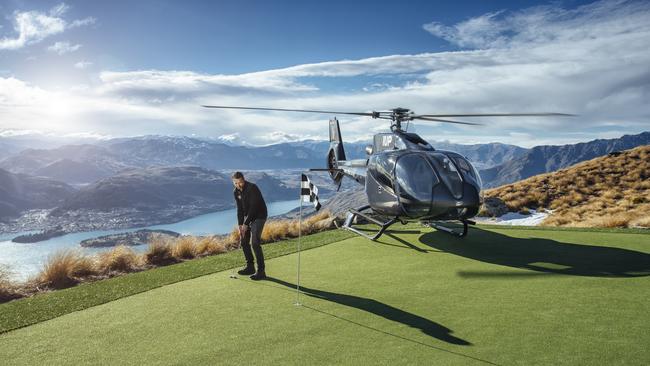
25	260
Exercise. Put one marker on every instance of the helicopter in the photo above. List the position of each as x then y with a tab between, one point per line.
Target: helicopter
405	178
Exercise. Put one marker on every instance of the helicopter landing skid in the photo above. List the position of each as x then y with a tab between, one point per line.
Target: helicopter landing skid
449	230
349	220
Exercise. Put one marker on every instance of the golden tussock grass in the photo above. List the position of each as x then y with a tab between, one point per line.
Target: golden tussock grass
64	269
120	259
159	253
184	247
210	246
609	191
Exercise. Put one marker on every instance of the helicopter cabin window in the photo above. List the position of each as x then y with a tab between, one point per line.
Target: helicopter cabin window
381	167
415	180
448	173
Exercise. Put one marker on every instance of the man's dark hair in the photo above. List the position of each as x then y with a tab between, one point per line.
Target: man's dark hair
237	175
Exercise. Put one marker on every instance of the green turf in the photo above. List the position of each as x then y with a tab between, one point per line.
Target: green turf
24	312
499	296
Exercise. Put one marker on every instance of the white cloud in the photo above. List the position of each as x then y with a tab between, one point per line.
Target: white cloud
63	47
590	61
82	64
83	22
34	26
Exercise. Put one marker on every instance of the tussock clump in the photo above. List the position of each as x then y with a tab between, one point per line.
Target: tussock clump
184	247
159	253
62	270
120	259
610	191
210	246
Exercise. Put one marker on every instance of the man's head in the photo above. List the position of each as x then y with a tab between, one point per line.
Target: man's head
238	180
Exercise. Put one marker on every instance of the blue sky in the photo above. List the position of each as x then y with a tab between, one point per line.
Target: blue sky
124	68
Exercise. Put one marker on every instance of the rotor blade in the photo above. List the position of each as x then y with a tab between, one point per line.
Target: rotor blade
499	115
446	121
291	110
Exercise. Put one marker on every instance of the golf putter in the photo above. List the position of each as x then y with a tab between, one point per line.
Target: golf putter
232	272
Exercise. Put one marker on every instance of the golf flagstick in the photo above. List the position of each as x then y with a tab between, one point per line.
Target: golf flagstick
299	238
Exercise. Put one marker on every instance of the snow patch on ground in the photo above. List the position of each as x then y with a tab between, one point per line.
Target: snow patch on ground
514	218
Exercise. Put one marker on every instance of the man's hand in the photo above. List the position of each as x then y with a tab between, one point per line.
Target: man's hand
242	230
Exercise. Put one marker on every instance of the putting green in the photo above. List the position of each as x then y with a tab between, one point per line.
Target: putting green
499	296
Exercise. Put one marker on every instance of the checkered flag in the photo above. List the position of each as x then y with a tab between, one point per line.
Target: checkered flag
309	192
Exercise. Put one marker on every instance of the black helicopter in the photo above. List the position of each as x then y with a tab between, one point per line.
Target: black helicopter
405	178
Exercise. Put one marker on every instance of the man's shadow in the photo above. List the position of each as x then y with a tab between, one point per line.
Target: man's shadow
542	255
427	326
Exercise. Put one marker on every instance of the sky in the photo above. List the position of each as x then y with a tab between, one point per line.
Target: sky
128	68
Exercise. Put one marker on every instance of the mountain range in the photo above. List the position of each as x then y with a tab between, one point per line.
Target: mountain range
549	158
151	173
88	163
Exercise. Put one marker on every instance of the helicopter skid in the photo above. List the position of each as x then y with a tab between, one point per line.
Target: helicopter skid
349	221
449	230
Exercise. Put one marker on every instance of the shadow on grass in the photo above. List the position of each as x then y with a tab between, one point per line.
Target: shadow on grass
542	255
427	326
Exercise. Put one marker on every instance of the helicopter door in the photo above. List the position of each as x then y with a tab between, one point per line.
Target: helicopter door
415	179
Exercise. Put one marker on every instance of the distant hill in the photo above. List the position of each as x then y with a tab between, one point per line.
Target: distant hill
19	192
167	187
72	171
544	159
609	191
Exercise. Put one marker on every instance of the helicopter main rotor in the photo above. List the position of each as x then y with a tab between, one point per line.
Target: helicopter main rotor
399	115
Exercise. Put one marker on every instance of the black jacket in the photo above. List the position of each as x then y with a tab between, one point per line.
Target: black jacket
250	204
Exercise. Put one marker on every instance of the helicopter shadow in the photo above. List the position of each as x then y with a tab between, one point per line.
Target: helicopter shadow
425	325
404	244
541	255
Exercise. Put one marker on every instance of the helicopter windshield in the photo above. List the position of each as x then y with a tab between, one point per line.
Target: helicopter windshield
415	180
448	173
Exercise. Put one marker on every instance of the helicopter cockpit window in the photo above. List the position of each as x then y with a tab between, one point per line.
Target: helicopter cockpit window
448	173
467	169
415	180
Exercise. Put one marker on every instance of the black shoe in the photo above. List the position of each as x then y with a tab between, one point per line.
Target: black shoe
260	275
247	270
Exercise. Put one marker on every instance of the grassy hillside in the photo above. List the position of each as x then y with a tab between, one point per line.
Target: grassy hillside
610	191
500	296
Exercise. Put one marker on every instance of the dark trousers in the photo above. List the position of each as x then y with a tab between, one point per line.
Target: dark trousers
252	237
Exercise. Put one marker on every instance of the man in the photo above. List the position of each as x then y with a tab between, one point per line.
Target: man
251	217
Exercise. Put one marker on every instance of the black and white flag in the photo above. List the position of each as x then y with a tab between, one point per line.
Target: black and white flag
309	192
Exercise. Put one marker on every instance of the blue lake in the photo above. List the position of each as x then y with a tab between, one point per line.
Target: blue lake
25	260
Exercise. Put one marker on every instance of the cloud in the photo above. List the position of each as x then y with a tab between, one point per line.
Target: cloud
82	64
82	22
591	61
63	47
34	26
